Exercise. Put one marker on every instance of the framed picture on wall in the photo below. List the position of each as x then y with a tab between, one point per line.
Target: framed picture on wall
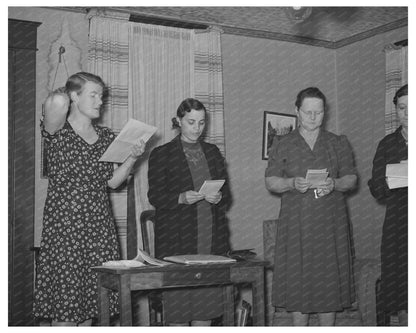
275	124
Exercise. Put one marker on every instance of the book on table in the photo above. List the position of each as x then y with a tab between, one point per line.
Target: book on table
142	259
190	259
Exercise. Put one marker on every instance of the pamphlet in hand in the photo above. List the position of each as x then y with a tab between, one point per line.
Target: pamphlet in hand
397	175
131	133
210	187
316	177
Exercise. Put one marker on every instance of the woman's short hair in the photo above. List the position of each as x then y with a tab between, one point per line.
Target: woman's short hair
399	93
187	105
76	82
311	92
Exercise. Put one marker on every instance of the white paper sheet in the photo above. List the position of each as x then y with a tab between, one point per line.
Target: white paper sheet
210	187
316	177
396	175
131	133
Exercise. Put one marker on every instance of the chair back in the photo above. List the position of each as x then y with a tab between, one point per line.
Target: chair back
147	220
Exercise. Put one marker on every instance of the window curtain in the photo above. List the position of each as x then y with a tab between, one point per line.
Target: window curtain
208	83
148	71
168	65
161	76
108	56
396	76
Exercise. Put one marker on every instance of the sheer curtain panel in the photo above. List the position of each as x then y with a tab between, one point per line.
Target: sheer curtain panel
396	76
161	68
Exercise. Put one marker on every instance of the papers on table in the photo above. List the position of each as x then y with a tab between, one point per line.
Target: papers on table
131	133
123	263
396	175
190	259
316	177
210	187
146	258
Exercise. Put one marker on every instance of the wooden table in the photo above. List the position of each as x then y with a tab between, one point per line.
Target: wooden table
125	280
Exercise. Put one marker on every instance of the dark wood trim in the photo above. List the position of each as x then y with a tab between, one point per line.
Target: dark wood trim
146	19
370	33
403	42
22	111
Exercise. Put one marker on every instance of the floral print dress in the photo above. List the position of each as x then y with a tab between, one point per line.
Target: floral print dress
78	227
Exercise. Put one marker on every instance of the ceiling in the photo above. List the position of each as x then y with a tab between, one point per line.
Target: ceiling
330	27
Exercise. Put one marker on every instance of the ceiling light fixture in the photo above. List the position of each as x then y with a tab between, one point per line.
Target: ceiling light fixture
298	14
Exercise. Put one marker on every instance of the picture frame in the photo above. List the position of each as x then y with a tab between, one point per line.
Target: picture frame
276	124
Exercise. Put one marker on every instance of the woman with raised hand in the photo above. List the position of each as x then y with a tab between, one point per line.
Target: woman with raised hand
78	227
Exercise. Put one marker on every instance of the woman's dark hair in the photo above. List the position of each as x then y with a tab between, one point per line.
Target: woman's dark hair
399	93
311	92
76	82
187	105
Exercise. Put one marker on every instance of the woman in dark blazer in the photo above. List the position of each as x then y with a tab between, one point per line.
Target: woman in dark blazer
186	221
394	243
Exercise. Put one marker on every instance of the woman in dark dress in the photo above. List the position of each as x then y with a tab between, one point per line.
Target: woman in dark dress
186	221
313	268
393	149
78	228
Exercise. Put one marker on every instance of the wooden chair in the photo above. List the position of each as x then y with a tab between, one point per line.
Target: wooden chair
147	220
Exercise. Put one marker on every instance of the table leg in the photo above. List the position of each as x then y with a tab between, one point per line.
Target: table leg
103	304
228	319
125	301
258	297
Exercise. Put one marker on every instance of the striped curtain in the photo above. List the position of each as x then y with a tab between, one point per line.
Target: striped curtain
208	83
149	70
396	76
108	56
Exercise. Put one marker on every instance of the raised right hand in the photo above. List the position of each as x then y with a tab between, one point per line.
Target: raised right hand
57	101
190	197
56	109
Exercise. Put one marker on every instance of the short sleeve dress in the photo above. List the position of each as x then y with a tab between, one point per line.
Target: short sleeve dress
313	257
78	227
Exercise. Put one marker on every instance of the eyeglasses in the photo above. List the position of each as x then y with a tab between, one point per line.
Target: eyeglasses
310	113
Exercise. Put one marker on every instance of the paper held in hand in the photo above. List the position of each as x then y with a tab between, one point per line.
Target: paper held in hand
210	187
316	177
131	133
396	175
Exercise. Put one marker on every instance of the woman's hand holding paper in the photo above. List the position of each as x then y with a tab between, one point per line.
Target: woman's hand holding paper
301	184
214	198
190	197
138	149
327	187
